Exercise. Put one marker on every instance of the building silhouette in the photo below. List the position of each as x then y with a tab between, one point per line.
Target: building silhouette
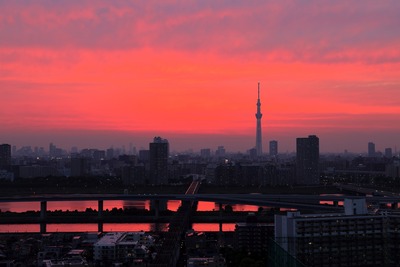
371	149
352	238
52	150
220	152
253	153
388	152
144	155
110	153
159	152
5	156
80	166
307	160
273	148
205	152
258	130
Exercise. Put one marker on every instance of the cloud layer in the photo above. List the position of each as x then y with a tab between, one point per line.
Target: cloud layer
193	67
288	30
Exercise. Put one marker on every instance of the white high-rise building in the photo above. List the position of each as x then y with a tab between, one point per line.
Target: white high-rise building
352	238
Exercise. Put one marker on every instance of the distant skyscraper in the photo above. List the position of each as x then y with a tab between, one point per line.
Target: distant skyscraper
307	160
253	152
273	148
159	152
52	150
388	152
144	155
5	156
220	152
371	149
110	153
205	153
258	131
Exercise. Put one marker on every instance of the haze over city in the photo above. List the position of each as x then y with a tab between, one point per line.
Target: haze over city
97	74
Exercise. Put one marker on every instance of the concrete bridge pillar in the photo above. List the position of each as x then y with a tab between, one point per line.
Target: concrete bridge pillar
220	232
100	227
43	210
43	228
100	208
220	216
157	208
195	205
43	215
100	205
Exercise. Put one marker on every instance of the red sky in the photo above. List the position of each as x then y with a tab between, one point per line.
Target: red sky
102	73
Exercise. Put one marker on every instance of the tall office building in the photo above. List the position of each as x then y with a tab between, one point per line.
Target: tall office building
258	131
52	150
388	152
159	152
5	156
307	160
205	153
220	152
273	148
371	149
144	156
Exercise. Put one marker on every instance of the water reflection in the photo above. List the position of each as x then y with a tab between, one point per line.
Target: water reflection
19	206
71	205
213	227
74	205
212	206
72	228
135	227
133	204
108	227
172	205
328	202
19	228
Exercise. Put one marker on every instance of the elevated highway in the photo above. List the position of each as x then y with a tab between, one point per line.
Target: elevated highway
272	200
292	201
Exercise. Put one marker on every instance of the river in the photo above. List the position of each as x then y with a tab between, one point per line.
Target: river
172	205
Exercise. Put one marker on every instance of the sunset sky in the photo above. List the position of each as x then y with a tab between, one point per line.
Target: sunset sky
103	73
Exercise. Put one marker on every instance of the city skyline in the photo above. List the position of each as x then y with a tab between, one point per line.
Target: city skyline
132	149
97	74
